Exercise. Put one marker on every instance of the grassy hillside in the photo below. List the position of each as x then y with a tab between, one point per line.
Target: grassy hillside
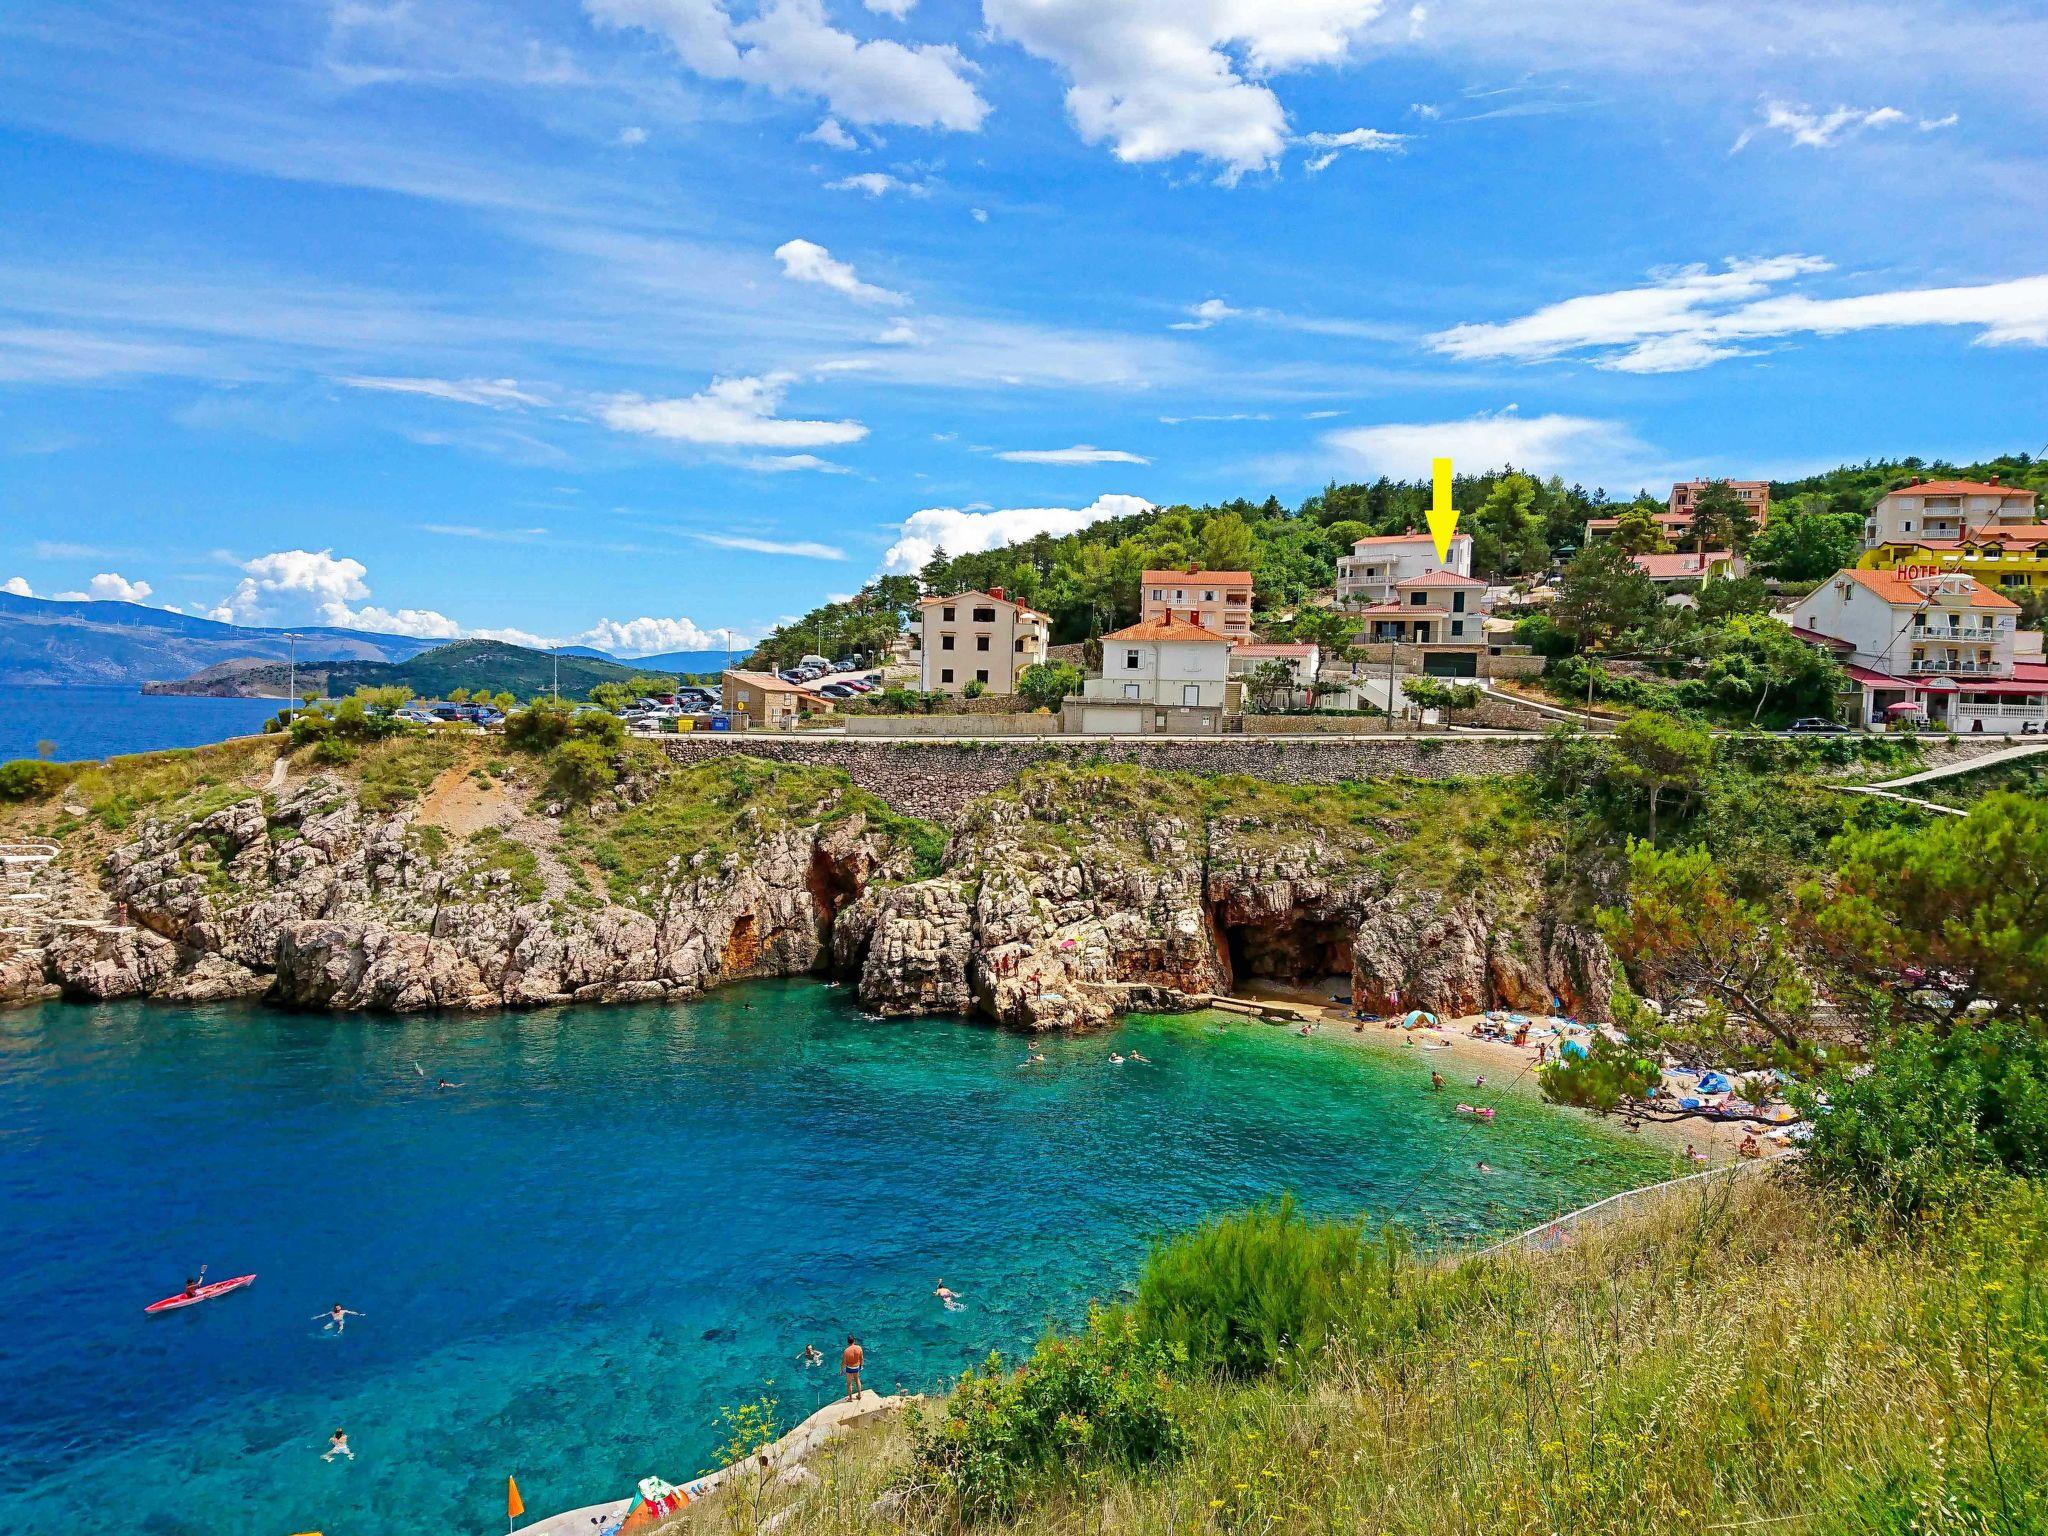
489	666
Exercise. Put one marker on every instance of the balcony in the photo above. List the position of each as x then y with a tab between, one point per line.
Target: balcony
1977	668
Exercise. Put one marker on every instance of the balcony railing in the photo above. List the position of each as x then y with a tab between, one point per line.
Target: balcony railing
1936	664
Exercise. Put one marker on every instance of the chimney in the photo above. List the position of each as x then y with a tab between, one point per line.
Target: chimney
996	592
1994	479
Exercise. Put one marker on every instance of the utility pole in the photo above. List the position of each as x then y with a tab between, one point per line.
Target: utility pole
291	686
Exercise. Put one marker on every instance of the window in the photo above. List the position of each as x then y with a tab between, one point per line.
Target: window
1457	602
981	676
1130	661
1158	594
981	642
945	642
1906	526
1418	599
1020	643
946	615
984	615
946	675
1191	693
1130	690
1208	597
1457	626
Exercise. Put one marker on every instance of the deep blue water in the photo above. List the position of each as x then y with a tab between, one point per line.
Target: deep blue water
108	722
622	1220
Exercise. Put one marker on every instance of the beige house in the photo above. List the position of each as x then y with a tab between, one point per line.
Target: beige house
978	637
1219	601
1755	495
1946	509
768	702
1440	614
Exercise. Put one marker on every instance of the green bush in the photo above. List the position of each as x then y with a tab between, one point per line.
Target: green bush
1103	1398
27	779
1246	1293
1600	1080
1938	1109
540	727
580	771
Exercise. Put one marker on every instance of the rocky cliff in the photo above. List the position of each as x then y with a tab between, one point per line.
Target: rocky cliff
1077	894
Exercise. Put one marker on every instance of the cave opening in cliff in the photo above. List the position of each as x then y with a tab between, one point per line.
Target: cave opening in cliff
1286	947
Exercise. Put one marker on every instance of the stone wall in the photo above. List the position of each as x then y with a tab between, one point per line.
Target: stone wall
939	779
956	727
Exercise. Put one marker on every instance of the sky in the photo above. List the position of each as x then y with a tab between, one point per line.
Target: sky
648	323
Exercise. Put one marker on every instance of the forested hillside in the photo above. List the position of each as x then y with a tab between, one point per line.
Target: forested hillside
1088	581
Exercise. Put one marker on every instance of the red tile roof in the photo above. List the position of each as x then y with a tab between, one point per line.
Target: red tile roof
1273	648
1674	567
1900	592
1815	637
1439	579
1168	628
2025	533
1198	578
1959	488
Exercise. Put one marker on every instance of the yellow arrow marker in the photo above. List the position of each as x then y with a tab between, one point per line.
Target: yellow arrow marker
1443	517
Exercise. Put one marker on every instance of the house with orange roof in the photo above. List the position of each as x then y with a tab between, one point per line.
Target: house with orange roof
1168	676
1690	565
1946	509
1376	565
2011	557
1939	644
978	637
1219	600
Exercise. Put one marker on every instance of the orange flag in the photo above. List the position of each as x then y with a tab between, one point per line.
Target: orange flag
514	1505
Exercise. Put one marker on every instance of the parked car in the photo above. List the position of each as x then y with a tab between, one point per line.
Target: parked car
837	691
1815	725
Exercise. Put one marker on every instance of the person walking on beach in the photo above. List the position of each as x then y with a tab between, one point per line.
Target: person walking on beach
337	1445
851	1362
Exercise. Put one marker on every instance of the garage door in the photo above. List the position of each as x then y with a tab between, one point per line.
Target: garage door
1111	722
1451	666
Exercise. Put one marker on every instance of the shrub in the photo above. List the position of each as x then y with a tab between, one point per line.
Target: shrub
975	688
27	779
1938	1109
580	771
1601	1079
1103	1398
540	727
1045	683
1246	1293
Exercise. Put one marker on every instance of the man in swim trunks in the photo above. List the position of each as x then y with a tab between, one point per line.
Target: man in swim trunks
337	1445
337	1317
850	1362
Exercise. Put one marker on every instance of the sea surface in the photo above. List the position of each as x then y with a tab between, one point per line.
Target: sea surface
109	722
621	1220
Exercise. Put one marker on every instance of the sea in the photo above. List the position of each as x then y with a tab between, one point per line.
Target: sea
70	724
616	1222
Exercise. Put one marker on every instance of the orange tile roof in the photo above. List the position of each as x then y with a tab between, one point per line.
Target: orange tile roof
1663	519
1900	592
1168	628
986	597
1674	566
1439	579
1959	488
2026	533
768	682
1212	578
1274	648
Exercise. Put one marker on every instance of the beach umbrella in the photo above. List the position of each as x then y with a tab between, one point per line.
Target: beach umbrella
1419	1018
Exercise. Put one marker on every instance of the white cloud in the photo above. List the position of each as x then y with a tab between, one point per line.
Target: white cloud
113	587
788	47
1204	315
898	9
632	138
1080	453
980	215
1545	444
1935	124
786	463
803	549
330	585
732	413
648	637
485	535
832	136
806	262
1155	79
899	333
495	393
1375	141
1692	317
16	586
1823	130
878	184
420	623
961	532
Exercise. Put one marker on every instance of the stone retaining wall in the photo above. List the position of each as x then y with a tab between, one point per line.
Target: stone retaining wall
956	727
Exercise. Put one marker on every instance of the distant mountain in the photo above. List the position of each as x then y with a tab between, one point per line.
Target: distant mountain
489	666
68	644
667	661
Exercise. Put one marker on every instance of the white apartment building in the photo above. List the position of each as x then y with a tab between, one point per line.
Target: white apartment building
1943	644
1220	601
1945	509
980	637
1376	566
1166	676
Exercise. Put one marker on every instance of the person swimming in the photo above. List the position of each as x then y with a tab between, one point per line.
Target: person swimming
1139	1057
337	1318
1033	1059
812	1356
949	1299
444	1083
1484	1166
337	1445
1115	1060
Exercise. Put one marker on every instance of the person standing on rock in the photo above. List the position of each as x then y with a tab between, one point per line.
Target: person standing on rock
851	1362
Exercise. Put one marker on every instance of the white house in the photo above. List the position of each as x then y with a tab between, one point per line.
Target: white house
1303	661
1945	643
1166	676
1945	509
978	637
1376	566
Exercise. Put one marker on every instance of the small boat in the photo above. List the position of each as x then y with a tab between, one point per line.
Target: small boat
204	1293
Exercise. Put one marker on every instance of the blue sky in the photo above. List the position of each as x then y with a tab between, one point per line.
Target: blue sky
631	320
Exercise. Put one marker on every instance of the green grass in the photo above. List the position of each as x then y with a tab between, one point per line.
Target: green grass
393	773
179	786
492	852
717	809
1727	1359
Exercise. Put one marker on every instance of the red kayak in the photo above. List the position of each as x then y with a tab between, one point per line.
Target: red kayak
204	1293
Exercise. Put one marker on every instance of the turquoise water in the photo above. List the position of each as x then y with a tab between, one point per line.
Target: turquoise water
622	1220
109	722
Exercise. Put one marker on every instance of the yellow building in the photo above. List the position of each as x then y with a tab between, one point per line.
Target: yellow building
2008	558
